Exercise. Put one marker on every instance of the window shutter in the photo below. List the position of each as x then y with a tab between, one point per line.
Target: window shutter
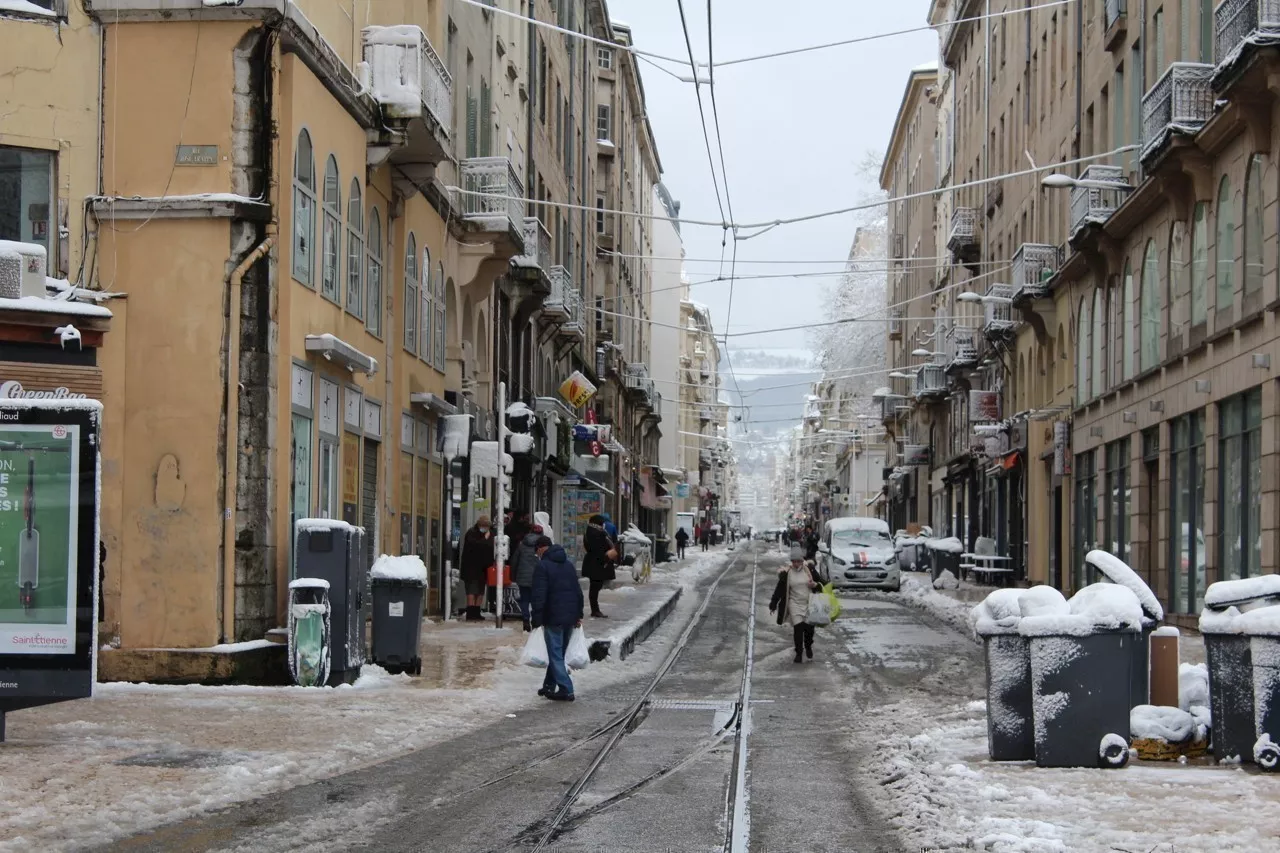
472	136
486	124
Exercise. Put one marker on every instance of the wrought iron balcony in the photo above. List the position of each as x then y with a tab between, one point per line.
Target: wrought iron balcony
895	324
1094	205
1114	10
1033	265
537	245
638	380
962	347
492	195
406	75
931	381
564	304
1181	101
964	228
998	320
1237	22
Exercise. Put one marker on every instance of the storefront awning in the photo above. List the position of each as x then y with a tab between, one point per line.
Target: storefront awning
335	349
435	404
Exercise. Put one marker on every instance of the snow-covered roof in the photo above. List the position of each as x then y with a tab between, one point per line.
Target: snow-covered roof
931	65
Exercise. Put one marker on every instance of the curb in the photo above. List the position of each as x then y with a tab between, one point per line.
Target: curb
600	649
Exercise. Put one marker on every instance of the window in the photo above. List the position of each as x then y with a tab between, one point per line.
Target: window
1206	30
1149	335
327	485
373	278
1253	203
1225	249
1177	294
1157	40
304	210
604	124
411	294
1086	514
331	250
1186	515
355	251
1099	353
1116	500
26	197
473	127
1200	264
426	309
441	339
1084	327
604	58
600	214
542	81
1126	324
1240	485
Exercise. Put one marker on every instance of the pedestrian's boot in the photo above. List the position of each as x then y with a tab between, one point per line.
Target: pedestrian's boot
473	614
808	650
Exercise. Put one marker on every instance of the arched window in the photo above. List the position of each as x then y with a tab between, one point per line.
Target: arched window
331	249
1177	292
1099	350
1149	334
426	309
1225	249
411	294
373	276
355	251
1200	264
304	210
1085	324
441	335
1126	324
1253	227
1115	334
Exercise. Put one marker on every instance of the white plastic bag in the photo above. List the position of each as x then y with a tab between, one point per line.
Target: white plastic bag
577	655
535	650
819	609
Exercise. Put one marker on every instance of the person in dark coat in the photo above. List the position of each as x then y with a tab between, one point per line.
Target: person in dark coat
557	609
797	583
704	536
810	543
682	539
599	555
477	557
526	562
517	526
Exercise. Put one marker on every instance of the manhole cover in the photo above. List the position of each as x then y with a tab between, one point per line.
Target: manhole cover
182	758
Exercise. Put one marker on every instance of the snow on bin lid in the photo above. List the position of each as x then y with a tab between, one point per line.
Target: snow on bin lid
1098	608
409	568
1222	594
309	583
1259	622
634	534
1118	571
950	544
319	525
1042	601
998	613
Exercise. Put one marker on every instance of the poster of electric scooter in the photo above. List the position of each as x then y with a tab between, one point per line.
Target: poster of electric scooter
39	503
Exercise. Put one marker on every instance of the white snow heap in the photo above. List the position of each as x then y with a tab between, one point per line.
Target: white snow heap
1193	686
946	580
66	334
1099	607
998	613
519	409
457	433
1224	593
320	525
521	442
634	535
1165	724
1228	602
308	583
1259	622
408	568
392	53
1042	601
1118	571
486	456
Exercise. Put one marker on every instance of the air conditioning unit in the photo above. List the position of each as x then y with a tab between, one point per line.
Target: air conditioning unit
30	263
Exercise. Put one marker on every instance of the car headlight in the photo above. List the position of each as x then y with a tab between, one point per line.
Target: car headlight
892	561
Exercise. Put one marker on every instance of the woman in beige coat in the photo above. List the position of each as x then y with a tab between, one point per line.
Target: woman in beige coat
796	585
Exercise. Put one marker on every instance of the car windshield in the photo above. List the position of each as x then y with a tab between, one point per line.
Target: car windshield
861	538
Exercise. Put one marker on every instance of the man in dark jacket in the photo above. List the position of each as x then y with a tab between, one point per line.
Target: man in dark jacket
557	608
597	562
526	563
682	539
810	543
477	557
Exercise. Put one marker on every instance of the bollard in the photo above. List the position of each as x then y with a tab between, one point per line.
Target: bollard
1164	666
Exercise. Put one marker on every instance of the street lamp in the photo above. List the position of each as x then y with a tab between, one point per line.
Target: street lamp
968	296
924	353
1057	181
898	374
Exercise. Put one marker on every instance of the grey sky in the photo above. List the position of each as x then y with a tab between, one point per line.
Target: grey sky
795	129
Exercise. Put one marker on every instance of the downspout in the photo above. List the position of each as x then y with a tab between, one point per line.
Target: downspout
232	447
1079	86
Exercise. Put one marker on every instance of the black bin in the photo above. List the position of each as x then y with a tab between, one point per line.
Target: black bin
399	586
1230	656
1010	722
1117	571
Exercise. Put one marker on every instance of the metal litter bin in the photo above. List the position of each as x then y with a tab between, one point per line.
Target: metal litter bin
399	588
1229	654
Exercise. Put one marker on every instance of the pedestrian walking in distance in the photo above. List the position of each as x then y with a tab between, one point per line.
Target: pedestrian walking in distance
557	609
526	564
704	536
796	585
598	558
477	557
682	540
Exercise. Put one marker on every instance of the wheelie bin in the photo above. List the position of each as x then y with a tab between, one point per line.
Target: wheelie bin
1117	571
1229	654
399	586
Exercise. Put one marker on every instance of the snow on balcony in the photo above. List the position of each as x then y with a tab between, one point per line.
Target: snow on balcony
407	76
1181	101
931	380
492	195
998	313
1094	205
1241	22
964	228
537	245
962	346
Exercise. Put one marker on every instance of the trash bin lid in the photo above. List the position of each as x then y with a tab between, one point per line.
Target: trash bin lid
407	569
1100	608
997	614
309	583
951	544
1117	571
1259	622
1224	594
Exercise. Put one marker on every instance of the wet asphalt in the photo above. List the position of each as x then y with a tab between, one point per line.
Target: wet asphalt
665	787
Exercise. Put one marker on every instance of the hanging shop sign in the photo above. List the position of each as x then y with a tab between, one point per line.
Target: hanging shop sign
984	406
683	490
915	454
48	550
1061	449
577	390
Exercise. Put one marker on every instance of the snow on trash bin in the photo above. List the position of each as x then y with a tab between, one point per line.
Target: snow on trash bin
1229	653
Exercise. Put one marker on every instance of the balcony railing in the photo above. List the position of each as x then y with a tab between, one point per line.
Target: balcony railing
492	194
964	228
998	311
931	380
1094	205
407	76
1033	265
557	303
962	346
1180	101
1113	10
895	324
537	245
1237	21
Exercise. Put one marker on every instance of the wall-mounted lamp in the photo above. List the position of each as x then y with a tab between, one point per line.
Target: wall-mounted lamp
1129	417
1203	386
1262	360
1157	405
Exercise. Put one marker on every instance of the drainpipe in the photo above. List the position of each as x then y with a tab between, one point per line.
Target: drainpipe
1079	90
232	450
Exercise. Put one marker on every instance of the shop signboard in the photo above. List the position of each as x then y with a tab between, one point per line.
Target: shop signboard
915	454
48	550
984	406
577	390
1061	449
683	490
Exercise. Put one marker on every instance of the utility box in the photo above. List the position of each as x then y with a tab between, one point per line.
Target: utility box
333	551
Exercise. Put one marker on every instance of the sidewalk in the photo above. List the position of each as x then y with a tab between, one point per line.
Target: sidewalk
136	756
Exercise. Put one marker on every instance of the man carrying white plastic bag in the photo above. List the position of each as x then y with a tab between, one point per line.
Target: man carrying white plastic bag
557	611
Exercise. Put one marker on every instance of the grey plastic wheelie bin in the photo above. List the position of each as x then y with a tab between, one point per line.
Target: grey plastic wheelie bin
1117	571
1010	725
944	555
1229	655
399	587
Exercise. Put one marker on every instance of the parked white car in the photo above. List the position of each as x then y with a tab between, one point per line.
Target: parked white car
859	553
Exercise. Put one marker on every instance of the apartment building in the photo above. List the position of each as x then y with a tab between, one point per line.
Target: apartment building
703	418
318	234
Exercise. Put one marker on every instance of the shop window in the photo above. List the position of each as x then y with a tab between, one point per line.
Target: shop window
411	294
1253	202
1200	264
1225	249
1086	514
1149	334
355	251
373	276
1186	515
26	197
331	250
1240	485
1082	352
304	210
1116	500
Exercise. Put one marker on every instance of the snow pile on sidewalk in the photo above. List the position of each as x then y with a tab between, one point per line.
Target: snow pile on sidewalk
946	580
941	792
920	593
